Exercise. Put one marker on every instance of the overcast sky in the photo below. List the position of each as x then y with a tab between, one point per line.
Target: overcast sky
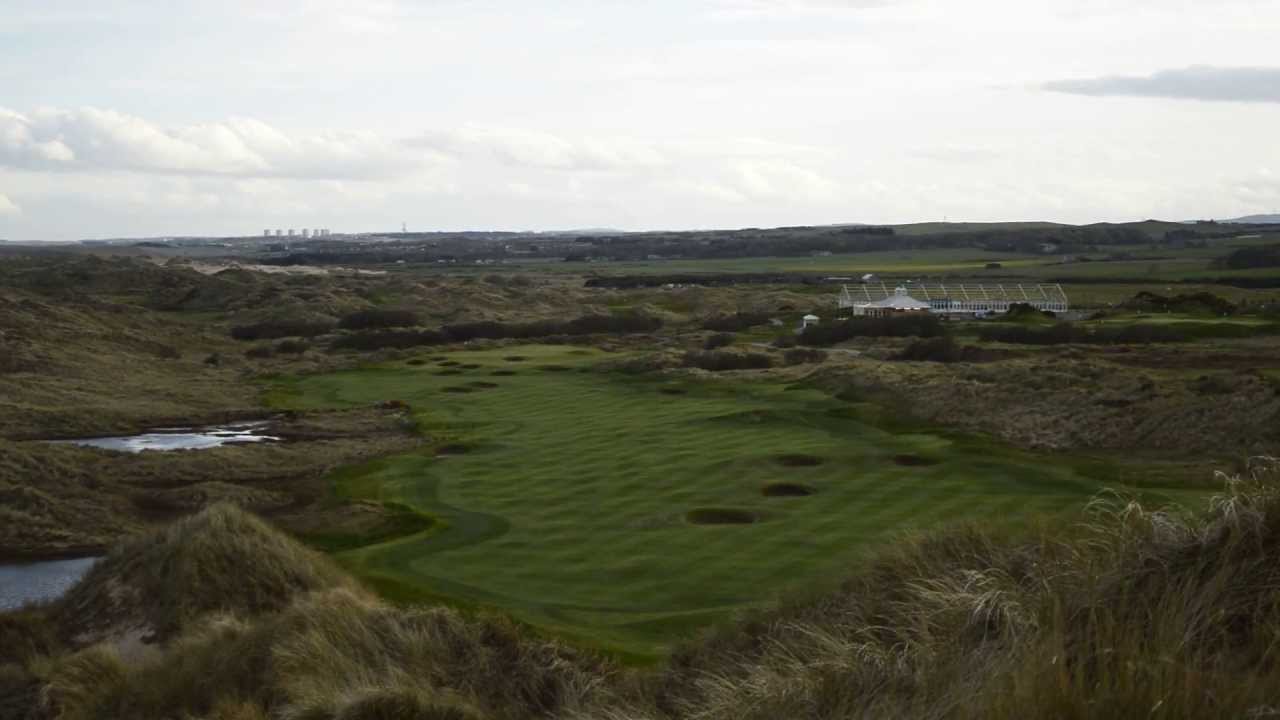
132	118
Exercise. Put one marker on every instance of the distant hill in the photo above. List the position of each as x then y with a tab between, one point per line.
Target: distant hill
1255	219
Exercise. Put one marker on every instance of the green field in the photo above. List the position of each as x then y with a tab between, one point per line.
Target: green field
564	492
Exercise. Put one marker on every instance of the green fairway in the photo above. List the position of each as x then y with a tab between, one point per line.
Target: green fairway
571	497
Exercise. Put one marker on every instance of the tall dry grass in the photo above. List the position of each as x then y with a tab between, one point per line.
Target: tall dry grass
1136	613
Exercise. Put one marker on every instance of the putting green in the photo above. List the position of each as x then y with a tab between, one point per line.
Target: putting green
622	511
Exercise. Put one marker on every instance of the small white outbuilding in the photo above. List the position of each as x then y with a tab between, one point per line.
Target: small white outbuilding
808	320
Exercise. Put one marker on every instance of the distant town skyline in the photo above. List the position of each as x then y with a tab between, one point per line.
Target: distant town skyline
205	118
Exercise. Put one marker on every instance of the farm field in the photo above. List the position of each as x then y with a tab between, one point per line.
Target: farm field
933	261
620	512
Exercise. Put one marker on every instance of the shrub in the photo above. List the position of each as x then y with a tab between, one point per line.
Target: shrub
1189	303
381	339
166	352
259	352
801	356
718	340
716	360
735	322
1257	256
292	347
585	325
1019	312
1064	333
940	349
275	329
378	318
907	325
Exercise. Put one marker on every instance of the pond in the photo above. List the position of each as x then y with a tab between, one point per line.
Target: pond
168	439
39	581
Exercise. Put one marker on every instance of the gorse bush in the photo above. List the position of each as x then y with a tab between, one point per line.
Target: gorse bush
943	349
803	356
736	322
275	329
718	340
940	349
1256	256
379	339
585	325
1067	333
716	360
490	330
908	325
1192	303
379	318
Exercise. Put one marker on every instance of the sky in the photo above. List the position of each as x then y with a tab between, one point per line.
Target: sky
149	118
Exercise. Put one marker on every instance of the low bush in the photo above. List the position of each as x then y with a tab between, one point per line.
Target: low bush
490	330
1255	256
585	325
1186	303
377	319
908	325
292	347
380	339
276	329
718	340
803	356
716	360
1067	333
940	349
736	322
1025	312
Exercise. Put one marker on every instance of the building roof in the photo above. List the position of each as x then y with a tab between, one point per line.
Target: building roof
899	302
862	293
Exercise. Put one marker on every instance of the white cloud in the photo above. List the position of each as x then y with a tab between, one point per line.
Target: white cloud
535	149
1199	82
8	207
97	139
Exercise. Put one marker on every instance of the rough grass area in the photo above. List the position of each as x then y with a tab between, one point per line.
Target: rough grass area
221	559
573	516
1135	613
1127	612
260	627
61	500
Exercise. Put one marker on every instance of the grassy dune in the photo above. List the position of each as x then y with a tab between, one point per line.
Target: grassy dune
624	511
